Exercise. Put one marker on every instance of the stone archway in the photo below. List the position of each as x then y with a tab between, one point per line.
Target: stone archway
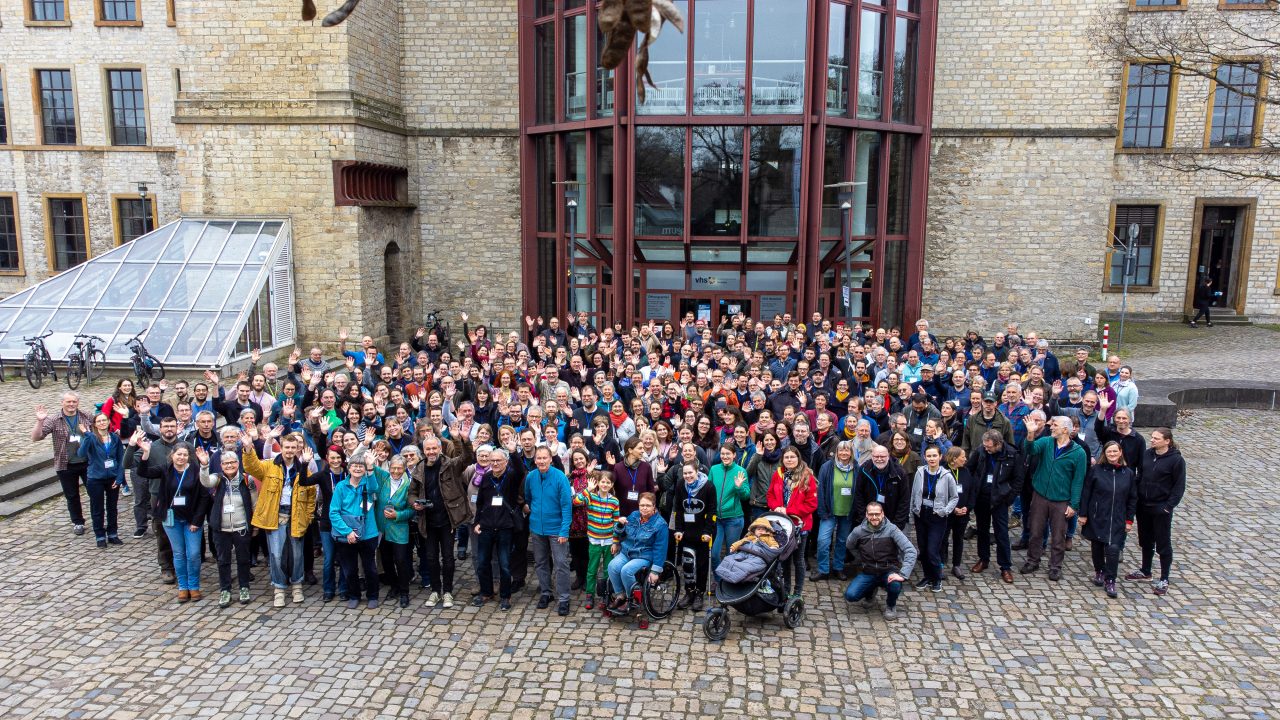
393	279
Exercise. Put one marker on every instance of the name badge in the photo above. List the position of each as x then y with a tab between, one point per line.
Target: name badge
180	501
108	464
846	491
473	499
633	495
880	498
496	501
73	438
959	489
366	505
928	503
990	479
690	517
917	431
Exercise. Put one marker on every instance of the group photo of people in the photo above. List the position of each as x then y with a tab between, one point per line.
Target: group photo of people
572	466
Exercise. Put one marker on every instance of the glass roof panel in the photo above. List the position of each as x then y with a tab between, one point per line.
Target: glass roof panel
191	338
64	325
241	241
148	247
50	292
181	244
187	287
163	331
6	317
29	322
156	287
94	278
662	250
211	243
223	329
135	322
124	286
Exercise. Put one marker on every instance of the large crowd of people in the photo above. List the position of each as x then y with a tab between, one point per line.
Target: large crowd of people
601	452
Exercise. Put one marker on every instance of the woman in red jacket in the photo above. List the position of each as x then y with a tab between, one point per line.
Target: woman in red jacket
794	492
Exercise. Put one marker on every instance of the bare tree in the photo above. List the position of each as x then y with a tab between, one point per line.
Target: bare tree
1195	44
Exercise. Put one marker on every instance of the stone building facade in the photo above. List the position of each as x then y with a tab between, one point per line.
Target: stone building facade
248	110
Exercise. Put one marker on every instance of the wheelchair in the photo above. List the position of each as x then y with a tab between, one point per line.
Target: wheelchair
656	600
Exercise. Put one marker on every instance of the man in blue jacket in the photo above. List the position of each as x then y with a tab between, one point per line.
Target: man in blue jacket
550	510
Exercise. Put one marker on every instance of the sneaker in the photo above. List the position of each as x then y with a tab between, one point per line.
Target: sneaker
922	584
447	601
505	604
1160	587
224	599
1098	579
353	604
867	603
1110	586
890	614
404	601
936	587
1028	568
373	603
544	601
114	540
563	609
77	529
697	603
139	533
1138	575
1055	574
126	491
297	594
479	600
432	600
102	543
590	604
1209	324
1192	323
244	596
957	572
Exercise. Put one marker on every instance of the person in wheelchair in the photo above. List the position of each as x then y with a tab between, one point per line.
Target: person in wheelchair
693	521
641	543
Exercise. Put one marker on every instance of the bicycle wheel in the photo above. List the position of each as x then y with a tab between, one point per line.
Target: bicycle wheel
73	373
660	598
95	365
156	367
2	370
32	370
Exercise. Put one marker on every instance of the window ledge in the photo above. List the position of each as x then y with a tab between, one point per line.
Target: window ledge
90	148
1157	8
117	23
1142	151
1228	5
23	273
1119	289
47	23
1256	150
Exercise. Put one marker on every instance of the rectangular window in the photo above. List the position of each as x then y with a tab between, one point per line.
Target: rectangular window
128	107
1235	105
48	11
773	197
667	67
1146	105
57	107
1146	217
904	69
778	57
575	68
1157	3
720	58
871	65
10	258
118	11
839	30
659	181
69	242
133	219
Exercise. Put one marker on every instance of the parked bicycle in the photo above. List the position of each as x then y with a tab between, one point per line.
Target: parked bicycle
146	367
437	327
85	360
37	363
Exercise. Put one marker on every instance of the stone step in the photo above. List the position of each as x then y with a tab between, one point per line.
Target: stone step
29	482
19	468
30	499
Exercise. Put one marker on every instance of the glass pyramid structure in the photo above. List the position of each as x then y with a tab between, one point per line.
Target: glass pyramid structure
202	291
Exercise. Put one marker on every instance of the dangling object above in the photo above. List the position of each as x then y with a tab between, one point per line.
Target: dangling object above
620	20
334	18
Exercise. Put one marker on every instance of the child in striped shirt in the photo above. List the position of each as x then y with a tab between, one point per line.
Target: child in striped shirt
602	519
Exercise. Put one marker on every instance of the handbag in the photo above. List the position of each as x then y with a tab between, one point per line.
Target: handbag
355	522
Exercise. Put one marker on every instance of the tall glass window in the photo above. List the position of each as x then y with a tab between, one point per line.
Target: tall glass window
1146	105
774	195
575	170
871	65
544	68
833	171
838	33
66	228
720	57
1235	102
603	181
715	198
576	81
10	257
57	107
866	172
667	67
134	217
604	81
128	107
544	150
659	181
777	57
904	70
898	200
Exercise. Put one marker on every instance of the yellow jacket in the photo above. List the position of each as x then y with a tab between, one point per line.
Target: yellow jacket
266	512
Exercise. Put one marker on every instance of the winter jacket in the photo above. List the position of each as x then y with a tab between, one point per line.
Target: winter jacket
194	506
669	482
1006	470
1109	500
1162	482
550	501
1132	445
692	515
98	454
976	425
394	530
270	475
966	488
803	502
352	502
453	484
220	484
891	483
510	487
881	550
645	540
729	494
1058	477
945	496
760	474
826	487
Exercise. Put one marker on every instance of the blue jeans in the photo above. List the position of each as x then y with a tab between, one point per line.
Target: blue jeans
276	541
332	577
622	572
492	543
839	527
186	554
728	531
864	585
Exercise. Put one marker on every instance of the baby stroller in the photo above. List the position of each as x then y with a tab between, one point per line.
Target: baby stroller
762	591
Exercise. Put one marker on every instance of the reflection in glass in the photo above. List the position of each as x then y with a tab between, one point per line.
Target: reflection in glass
575	170
904	70
774	194
870	65
833	171
93	280
893	295
191	338
544	70
604	81
187	288
659	181
124	286
544	147
898	201
584	291
218	337
777	57
866	172
603	181
215	234
720	57
667	67
839	29
575	68
715	198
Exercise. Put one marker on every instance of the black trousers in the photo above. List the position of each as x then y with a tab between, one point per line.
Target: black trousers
931	533
397	563
70	480
103	496
1155	535
1202	309
353	558
519	555
996	517
437	545
956	525
225	543
579	553
1106	558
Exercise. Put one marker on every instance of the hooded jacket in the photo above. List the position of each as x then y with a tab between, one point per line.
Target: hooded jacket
1109	499
1162	482
1006	470
881	549
976	425
892	483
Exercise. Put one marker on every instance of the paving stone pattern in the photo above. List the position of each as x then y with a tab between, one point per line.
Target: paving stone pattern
91	633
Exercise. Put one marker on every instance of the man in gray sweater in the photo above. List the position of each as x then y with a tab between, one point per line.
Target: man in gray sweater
885	556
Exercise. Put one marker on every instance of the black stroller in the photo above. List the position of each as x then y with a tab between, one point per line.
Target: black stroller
760	593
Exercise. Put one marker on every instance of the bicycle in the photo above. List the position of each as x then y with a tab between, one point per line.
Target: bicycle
85	360
438	327
146	367
37	363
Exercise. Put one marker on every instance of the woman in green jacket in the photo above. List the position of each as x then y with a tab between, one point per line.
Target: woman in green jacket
394	516
730	481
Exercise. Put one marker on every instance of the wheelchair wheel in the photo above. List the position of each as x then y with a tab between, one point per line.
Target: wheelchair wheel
793	613
660	598
716	624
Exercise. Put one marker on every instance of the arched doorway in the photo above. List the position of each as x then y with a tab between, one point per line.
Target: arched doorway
393	277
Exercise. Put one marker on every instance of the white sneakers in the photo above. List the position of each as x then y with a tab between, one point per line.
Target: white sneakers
433	600
448	600
297	594
278	601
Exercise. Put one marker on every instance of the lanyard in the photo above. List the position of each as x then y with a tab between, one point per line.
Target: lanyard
932	481
633	474
182	479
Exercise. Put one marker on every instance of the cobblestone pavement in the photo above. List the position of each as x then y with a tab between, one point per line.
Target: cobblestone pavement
91	633
1218	353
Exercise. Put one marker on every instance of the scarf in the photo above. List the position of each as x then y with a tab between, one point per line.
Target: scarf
844	468
772	456
850	427
842	397
618	419
698	481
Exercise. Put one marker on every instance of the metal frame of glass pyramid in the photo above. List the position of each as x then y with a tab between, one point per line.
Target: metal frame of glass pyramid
204	290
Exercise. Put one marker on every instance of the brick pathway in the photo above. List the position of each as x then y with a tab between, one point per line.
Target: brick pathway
90	633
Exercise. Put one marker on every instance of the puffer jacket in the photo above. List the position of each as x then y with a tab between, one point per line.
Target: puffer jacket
741	567
1109	500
